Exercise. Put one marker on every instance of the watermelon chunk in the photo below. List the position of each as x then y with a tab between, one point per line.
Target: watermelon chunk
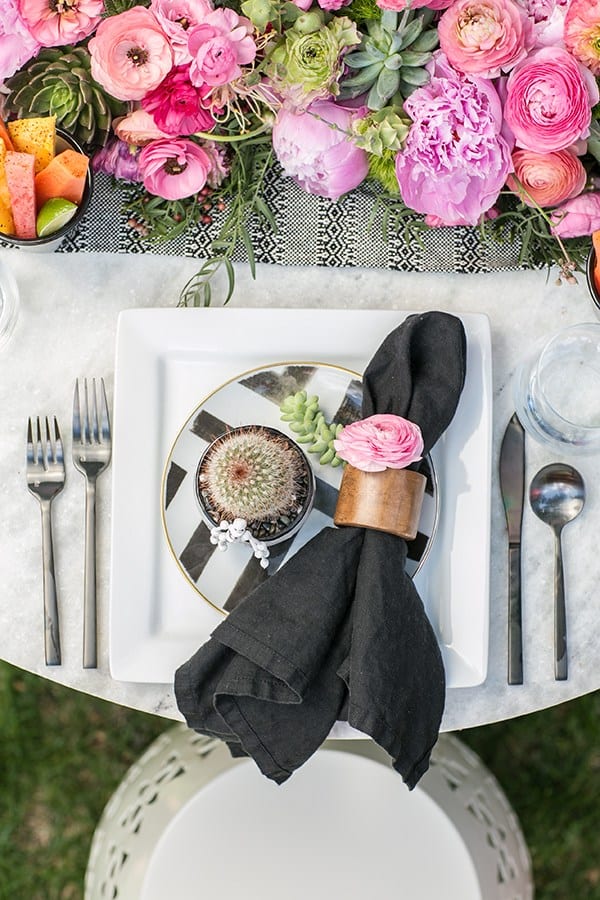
7	226
63	177
20	169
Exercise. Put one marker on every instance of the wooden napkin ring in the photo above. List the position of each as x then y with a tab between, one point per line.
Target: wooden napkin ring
385	501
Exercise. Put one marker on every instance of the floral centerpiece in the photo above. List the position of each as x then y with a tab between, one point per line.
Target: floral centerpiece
451	112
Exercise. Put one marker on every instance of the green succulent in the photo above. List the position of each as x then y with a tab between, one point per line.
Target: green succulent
391	58
59	82
381	130
306	420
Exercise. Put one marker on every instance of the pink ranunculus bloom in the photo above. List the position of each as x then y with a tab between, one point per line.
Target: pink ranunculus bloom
333	4
219	46
54	23
380	442
137	128
577	217
177	18
118	159
176	105
17	44
313	148
130	54
546	179
415	4
455	160
549	99
582	32
485	37
174	169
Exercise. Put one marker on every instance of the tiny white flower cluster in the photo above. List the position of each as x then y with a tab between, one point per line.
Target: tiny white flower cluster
237	532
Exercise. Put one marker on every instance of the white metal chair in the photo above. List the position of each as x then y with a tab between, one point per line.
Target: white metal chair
188	821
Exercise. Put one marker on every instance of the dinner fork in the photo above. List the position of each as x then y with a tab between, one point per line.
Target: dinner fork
91	455
45	473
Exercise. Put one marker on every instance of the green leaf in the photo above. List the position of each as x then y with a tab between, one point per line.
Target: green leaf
416	77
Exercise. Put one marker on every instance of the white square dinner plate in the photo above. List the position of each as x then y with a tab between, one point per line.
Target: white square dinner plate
167	362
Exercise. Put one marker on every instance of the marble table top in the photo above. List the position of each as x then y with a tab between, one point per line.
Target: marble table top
69	304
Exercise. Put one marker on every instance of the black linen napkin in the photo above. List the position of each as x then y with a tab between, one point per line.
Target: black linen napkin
339	632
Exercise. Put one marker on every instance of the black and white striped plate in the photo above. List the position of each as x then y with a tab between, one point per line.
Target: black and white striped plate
223	579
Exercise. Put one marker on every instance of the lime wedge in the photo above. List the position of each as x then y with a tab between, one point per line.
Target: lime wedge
53	215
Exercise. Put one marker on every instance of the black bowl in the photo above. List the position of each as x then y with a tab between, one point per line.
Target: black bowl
64	141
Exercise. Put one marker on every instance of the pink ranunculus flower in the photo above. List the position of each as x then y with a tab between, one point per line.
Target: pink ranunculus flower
219	46
485	37
546	179
455	160
577	217
415	4
582	32
137	128
17	44
549	99
54	23
176	105
130	54
177	18
174	169
380	442
313	148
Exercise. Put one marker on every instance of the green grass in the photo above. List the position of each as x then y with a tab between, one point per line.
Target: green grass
63	753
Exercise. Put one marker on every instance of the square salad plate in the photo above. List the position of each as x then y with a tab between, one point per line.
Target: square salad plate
172	366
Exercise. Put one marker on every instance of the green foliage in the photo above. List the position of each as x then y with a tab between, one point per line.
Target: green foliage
361	11
114	7
306	419
383	170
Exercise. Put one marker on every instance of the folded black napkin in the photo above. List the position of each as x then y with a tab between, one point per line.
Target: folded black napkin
339	632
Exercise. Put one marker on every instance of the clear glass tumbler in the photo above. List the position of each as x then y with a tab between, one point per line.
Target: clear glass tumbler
557	390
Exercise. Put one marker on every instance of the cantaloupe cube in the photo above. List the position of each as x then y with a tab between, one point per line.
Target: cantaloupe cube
36	136
63	177
20	172
7	226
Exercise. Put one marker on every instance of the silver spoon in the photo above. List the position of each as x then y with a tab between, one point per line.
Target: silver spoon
557	495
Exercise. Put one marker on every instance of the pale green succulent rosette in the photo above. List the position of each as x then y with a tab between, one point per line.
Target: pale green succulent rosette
308	62
380	131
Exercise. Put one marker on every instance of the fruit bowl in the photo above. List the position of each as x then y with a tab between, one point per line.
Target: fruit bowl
51	241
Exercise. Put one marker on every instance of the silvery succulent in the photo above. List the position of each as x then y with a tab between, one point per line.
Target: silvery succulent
391	58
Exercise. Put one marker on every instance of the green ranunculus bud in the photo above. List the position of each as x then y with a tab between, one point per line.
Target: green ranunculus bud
309	22
260	12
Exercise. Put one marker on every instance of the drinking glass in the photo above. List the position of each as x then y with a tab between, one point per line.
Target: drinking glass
557	390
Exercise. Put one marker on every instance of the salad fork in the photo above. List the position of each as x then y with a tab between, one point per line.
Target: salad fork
45	473
91	455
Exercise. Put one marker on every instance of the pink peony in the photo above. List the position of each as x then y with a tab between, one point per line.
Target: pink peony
455	159
582	32
577	217
130	54
174	169
319	156
333	4
546	179
57	22
138	128
549	18
219	46
380	442
415	4
17	44
176	104
485	37
549	99
177	18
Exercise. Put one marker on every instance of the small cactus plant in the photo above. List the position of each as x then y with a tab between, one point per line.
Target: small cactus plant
257	474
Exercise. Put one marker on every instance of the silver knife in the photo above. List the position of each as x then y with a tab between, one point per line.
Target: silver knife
512	486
